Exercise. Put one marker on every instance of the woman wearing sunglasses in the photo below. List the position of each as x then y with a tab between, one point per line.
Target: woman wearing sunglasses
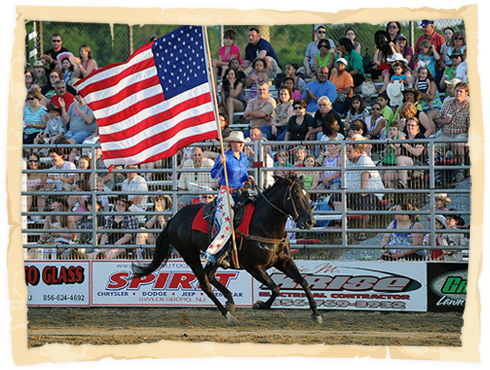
33	124
375	123
457	43
299	124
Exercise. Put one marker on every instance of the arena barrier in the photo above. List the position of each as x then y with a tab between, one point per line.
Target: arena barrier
366	286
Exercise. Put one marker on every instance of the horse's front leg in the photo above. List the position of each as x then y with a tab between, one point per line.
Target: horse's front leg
263	277
210	271
291	270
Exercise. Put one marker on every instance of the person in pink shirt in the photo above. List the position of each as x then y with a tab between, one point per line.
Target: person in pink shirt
226	53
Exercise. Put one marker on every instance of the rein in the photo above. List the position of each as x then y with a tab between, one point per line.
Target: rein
283	203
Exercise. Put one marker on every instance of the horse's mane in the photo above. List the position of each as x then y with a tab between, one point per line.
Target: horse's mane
288	180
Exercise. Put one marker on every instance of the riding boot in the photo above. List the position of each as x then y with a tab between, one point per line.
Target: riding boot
223	260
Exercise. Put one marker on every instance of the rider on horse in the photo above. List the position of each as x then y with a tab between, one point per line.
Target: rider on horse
236	167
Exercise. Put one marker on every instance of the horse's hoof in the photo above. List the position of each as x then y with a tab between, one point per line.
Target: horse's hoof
258	305
230	306
317	318
232	321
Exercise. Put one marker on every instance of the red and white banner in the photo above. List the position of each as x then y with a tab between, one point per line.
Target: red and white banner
377	285
57	283
175	285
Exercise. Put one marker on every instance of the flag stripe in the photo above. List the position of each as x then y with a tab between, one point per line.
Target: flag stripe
164	120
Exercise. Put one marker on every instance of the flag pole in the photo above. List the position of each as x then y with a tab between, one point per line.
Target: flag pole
215	100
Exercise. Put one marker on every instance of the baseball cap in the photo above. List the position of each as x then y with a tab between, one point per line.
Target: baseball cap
319	26
341	60
425	22
400	36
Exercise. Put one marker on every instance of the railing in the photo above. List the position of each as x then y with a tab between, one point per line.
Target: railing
309	240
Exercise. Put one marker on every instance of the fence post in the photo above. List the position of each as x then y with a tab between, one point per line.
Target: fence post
411	34
130	37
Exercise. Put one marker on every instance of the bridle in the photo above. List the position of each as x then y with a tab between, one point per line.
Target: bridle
286	197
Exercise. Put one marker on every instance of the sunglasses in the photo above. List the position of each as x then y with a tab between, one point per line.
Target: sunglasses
55	40
33	160
392	27
375	108
322	46
31	99
323	32
458	38
298	107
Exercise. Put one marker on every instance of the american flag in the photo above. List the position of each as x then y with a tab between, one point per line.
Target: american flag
155	103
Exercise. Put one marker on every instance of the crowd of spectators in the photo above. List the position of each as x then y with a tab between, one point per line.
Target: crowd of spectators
424	95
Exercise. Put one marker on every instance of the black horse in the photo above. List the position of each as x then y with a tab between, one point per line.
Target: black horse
267	245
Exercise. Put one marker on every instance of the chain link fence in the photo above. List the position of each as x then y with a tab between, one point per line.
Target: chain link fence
114	44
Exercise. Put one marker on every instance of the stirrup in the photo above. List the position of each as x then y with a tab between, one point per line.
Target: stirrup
210	257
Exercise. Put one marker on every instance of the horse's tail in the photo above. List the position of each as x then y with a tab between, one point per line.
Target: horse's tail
163	251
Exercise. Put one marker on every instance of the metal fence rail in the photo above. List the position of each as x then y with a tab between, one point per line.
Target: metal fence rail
330	238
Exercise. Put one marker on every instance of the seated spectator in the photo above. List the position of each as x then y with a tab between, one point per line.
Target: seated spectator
260	109
409	221
87	223
282	161
226	53
429	95
299	156
407	111
81	120
331	128
453	223
324	58
61	180
84	163
35	87
441	239
429	56
359	128
450	71
103	199
68	71
386	111
324	109
299	83
190	180
448	34
360	180
84	65
232	94
345	50
299	124
430	35
49	58
454	118
375	123
313	50
351	35
49	91
35	182
99	165
456	44
282	113
407	154
57	203
135	182
344	83
161	203
316	89
55	127
77	202
206	198
39	74
289	83
311	179
331	158
357	111
398	71
117	221
410	95
400	46
32	117
235	64
61	93
389	155
257	75
262	49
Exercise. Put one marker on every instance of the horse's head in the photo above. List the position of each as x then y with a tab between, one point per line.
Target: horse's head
297	202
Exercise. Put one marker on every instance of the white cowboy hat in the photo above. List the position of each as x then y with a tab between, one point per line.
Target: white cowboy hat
397	57
394	92
235	136
442	220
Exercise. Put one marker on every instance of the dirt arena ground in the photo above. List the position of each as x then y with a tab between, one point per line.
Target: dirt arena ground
99	326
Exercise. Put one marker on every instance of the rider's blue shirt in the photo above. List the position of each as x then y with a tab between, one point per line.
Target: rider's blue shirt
237	170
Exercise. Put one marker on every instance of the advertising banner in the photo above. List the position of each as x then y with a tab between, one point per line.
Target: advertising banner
446	286
175	285
57	283
377	285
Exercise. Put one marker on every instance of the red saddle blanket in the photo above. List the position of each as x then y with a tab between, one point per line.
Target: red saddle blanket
200	224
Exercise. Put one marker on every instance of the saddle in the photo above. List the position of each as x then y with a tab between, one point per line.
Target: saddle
240	197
